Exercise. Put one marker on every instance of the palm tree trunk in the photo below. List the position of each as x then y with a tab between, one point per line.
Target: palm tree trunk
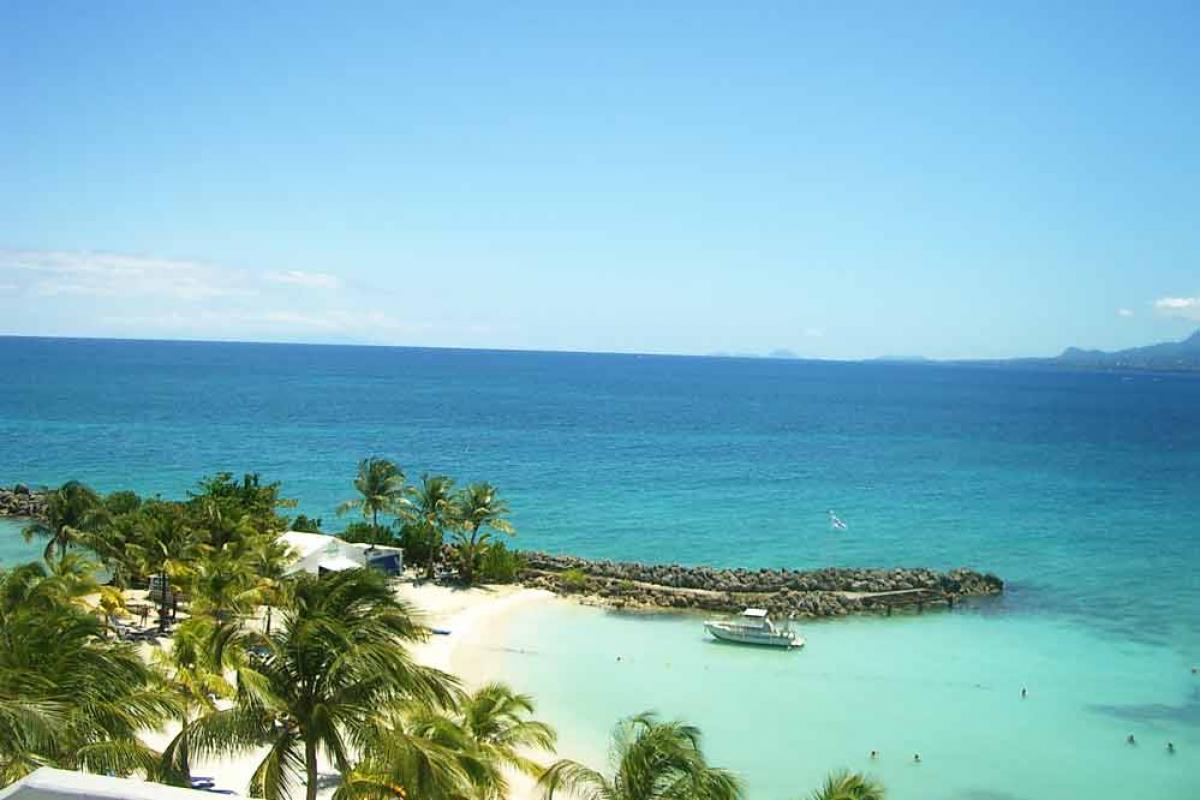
468	559
434	546
310	769
162	601
185	766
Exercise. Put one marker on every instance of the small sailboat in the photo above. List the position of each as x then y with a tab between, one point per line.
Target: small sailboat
754	626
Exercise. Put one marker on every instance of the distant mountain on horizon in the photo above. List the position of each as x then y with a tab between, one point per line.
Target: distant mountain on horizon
1181	355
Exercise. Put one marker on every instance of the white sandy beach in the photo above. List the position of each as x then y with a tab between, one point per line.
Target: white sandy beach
464	613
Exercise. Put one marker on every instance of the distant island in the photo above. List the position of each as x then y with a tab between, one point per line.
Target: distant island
1183	355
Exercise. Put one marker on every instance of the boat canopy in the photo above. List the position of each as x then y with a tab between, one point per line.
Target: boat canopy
756	613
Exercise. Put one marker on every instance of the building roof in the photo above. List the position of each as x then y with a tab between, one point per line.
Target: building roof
305	544
338	563
48	783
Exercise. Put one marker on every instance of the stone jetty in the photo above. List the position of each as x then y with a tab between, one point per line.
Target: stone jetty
21	501
829	592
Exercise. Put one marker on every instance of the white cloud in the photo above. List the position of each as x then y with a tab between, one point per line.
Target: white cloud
308	280
100	294
1124	312
51	273
1186	307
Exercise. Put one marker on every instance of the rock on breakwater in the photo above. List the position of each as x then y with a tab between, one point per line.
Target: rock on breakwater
829	592
21	501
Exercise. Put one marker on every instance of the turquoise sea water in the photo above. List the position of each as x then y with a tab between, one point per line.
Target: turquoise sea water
1080	489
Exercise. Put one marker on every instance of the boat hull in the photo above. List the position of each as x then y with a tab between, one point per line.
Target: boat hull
753	638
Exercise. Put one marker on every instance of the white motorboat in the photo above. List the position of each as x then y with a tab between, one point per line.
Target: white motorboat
754	626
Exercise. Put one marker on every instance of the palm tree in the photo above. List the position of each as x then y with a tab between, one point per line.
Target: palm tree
846	785
497	721
223	585
114	543
269	558
69	697
433	510
71	510
166	544
477	508
315	684
110	605
221	523
380	484
414	751
652	760
193	670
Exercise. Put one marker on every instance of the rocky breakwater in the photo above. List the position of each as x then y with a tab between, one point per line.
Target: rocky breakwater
829	592
21	501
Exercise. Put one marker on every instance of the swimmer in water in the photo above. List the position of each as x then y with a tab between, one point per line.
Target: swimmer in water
1130	740
1171	747
916	758
874	754
1022	692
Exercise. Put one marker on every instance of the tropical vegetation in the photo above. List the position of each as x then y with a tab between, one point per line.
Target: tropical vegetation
317	670
651	760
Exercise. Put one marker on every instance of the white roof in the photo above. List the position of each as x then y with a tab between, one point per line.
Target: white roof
754	612
339	563
62	784
305	544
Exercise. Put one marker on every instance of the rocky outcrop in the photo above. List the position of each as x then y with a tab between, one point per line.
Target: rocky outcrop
825	592
21	501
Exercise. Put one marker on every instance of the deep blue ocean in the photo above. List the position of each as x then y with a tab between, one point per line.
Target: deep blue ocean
1080	489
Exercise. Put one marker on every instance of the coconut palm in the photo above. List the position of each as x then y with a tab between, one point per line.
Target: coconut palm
433	511
652	760
166	545
69	697
269	558
381	489
413	750
223	585
221	523
497	721
110	606
846	785
478	511
114	543
71	511
193	670
318	680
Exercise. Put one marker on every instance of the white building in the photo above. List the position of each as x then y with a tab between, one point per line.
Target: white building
62	784
319	552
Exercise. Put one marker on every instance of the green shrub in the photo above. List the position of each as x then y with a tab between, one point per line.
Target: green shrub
498	564
416	541
306	524
573	579
366	533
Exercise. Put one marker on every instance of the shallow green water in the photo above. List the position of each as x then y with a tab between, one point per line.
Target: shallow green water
13	547
945	685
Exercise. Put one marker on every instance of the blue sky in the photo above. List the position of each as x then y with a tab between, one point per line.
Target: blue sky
944	179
